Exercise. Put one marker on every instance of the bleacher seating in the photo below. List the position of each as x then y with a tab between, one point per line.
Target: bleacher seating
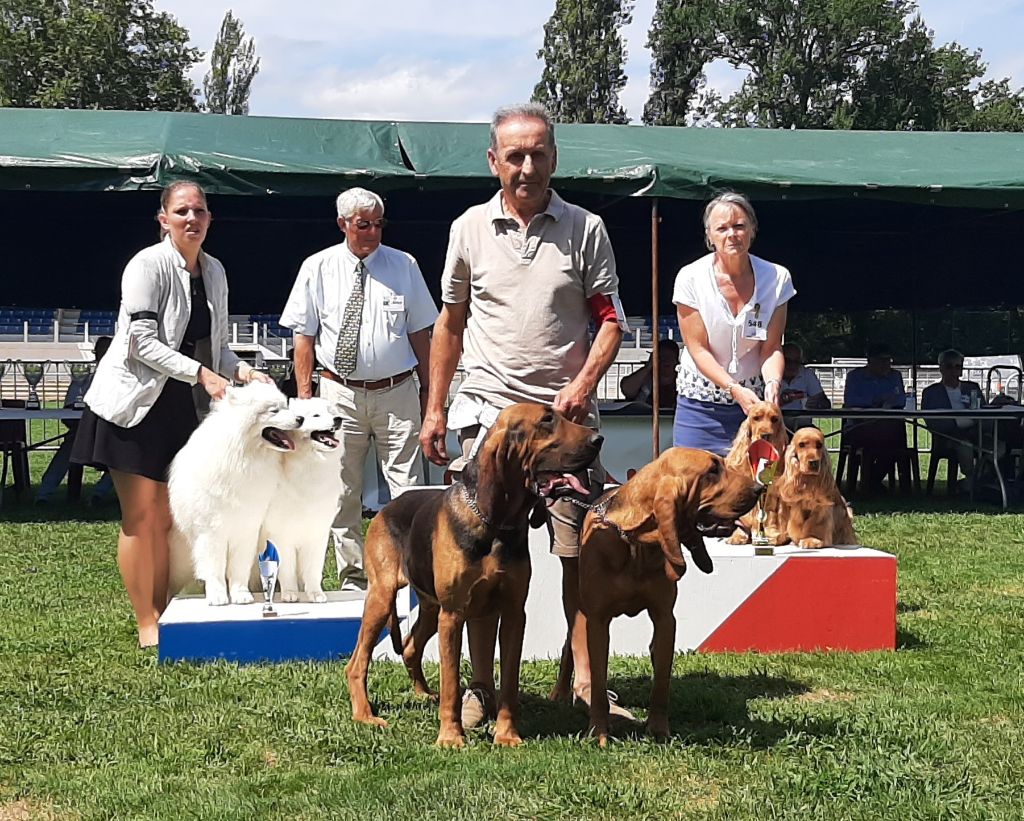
13	319
273	325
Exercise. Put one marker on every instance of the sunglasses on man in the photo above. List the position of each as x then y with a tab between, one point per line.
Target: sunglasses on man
364	225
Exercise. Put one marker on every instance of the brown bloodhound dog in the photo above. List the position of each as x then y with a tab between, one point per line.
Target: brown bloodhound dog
813	512
763	422
464	549
631	559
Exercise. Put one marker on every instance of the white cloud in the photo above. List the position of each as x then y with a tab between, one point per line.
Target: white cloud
409	59
415	91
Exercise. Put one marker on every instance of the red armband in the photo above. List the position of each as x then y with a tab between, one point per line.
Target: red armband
607	308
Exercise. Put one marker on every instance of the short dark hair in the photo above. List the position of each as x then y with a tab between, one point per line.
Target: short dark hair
877	349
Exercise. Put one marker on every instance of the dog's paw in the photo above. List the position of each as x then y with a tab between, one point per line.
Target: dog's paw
241	597
317	596
451	740
738	537
216	598
657	727
289	595
811	544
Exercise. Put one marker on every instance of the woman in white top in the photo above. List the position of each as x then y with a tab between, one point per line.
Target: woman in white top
732	314
172	333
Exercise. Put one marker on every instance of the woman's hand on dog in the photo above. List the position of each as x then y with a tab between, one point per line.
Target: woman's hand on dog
213	383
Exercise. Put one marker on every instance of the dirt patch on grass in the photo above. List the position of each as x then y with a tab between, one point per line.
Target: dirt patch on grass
22	810
822	695
700	794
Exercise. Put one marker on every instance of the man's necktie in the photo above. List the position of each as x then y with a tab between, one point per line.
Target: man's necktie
348	338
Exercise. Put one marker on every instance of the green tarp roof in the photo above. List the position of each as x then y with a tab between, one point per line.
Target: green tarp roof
113	150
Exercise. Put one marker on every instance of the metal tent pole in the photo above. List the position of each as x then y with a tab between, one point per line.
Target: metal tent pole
655	363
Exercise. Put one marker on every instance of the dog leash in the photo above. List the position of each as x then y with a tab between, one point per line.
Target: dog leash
599	511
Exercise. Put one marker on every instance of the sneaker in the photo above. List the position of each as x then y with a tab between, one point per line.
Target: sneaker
614	710
475	704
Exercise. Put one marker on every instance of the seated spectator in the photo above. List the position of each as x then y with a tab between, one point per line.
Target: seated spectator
801	387
639	385
876	385
953	393
58	467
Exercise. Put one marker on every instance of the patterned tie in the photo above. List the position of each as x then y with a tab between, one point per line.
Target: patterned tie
348	337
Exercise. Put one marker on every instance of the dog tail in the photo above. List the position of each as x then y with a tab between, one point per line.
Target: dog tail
395	628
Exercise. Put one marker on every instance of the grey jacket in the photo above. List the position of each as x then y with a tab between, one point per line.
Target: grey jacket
156	303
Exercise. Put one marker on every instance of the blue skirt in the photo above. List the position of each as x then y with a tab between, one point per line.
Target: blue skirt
705	425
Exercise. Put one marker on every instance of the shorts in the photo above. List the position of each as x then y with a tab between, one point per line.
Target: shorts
564	519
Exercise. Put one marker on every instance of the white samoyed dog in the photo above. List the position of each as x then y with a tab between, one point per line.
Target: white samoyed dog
300	515
220	486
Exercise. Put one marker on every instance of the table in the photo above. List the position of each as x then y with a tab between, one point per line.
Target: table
64	414
983	416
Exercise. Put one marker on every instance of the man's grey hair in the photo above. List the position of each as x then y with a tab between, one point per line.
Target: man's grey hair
948	357
533	111
729	198
358	199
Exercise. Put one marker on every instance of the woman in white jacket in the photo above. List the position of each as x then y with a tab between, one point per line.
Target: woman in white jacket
172	334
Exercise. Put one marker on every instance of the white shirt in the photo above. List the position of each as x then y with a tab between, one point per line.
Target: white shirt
805	380
959	401
396	303
696	287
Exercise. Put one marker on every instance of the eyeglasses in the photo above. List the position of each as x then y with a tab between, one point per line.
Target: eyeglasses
364	225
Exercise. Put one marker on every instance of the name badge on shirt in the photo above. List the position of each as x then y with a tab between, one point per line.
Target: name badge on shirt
755	326
395	303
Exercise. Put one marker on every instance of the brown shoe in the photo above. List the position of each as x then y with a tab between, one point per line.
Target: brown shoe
582	696
477	707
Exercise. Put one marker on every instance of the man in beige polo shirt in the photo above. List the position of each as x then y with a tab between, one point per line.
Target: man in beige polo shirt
525	274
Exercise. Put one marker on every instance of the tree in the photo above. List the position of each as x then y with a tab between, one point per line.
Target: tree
113	54
584	57
802	56
682	40
912	85
233	66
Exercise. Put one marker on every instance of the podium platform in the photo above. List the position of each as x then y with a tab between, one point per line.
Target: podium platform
797	600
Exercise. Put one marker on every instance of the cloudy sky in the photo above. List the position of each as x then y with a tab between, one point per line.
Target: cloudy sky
410	60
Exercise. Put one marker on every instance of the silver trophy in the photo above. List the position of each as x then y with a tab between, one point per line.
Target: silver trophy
33	372
269	564
80	372
278	371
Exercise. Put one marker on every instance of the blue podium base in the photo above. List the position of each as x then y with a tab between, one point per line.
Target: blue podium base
191	630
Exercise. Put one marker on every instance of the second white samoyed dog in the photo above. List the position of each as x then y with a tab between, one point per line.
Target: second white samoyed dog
300	515
220	486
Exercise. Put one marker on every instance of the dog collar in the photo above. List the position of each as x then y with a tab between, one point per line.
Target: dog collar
470	501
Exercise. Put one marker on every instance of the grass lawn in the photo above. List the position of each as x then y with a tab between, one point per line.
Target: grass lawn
95	728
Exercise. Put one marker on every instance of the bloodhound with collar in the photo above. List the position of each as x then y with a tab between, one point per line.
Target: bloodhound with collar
631	558
464	550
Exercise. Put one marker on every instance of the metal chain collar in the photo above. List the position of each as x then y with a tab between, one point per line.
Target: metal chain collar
599	510
470	501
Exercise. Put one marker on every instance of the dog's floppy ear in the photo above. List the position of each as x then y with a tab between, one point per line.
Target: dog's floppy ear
737	456
676	500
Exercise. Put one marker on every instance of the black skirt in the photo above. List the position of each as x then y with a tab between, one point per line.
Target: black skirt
146	449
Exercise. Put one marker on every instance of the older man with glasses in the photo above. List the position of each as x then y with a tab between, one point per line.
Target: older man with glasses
361	313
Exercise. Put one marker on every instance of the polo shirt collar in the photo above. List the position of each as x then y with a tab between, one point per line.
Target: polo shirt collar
496	208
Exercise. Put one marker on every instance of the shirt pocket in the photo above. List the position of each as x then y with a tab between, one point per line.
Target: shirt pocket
395	314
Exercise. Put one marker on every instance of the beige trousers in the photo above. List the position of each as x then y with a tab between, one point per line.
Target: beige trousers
391	417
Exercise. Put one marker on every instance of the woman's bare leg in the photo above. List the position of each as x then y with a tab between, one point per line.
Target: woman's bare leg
142	552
